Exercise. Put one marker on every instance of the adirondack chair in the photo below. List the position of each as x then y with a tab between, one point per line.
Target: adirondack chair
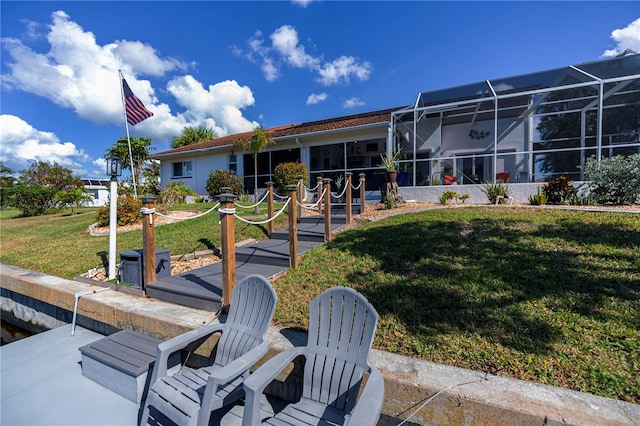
342	324
189	397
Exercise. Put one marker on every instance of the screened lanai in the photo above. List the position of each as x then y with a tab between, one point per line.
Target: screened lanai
527	128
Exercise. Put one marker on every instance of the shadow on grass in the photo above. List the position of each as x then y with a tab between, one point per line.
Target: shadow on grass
484	276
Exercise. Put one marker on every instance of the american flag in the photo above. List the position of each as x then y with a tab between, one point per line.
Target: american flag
136	111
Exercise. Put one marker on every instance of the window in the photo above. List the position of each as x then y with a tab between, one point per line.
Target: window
182	169
233	164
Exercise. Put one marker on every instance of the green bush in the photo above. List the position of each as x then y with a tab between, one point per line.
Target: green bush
224	178
448	195
175	192
287	174
495	190
538	199
614	180
31	200
559	190
128	211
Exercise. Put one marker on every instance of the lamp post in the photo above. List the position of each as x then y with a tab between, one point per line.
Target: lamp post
114	169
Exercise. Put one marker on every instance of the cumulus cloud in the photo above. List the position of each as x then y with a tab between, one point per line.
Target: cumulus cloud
625	38
316	98
22	143
78	73
352	103
286	49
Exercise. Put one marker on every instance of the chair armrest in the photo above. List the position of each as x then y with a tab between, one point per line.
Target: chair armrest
255	384
165	349
369	405
238	366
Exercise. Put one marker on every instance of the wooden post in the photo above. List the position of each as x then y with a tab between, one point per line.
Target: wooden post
300	195
348	192
227	230
319	186
327	209
148	241
293	227
271	227
362	192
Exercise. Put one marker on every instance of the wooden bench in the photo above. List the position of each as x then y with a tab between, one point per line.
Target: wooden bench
121	362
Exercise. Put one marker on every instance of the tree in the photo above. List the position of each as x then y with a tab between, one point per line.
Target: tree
50	175
259	140
74	198
151	178
192	136
139	153
6	182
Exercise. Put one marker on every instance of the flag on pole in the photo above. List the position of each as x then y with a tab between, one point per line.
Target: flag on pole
136	111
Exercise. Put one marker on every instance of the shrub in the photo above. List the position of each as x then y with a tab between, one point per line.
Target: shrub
287	174
31	200
175	192
494	190
389	201
559	190
128	211
614	180
538	199
446	196
224	178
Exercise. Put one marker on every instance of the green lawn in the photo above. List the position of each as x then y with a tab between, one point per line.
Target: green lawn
551	296
548	296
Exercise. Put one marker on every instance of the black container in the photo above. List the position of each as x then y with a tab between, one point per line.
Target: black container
132	269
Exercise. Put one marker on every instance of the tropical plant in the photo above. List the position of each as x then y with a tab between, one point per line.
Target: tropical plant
389	201
140	152
151	178
219	179
191	136
175	192
538	199
128	212
614	180
496	191
287	174
559	190
464	197
74	198
449	195
390	163
260	139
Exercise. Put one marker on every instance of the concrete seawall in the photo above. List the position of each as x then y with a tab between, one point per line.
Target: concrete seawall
438	394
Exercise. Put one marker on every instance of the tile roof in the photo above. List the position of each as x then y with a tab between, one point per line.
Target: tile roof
344	122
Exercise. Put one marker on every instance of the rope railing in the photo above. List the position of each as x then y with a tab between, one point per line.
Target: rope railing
145	210
264	197
281	197
355	188
262	222
314	205
343	192
315	188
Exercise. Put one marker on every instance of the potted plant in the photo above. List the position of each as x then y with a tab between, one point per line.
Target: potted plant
390	165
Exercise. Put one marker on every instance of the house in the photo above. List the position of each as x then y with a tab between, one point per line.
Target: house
99	191
522	130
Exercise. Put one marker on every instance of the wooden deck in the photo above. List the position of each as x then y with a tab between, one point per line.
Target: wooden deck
202	288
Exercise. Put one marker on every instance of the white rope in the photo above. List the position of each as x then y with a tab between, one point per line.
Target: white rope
253	205
357	187
150	212
190	217
311	189
282	197
311	206
263	221
343	192
227	211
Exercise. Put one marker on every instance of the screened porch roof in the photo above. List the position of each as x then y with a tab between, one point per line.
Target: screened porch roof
591	72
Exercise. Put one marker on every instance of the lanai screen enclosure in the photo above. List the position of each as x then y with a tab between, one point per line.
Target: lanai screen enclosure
526	128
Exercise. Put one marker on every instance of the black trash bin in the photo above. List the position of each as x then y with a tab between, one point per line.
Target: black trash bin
132	270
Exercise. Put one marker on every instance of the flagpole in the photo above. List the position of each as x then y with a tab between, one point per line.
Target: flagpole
126	125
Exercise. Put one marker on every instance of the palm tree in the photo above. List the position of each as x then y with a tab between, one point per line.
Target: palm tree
260	139
192	136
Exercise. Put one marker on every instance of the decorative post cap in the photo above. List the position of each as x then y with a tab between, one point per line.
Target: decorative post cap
148	199
326	180
226	197
270	183
348	174
292	188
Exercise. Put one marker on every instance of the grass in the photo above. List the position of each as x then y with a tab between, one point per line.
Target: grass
61	245
551	296
547	296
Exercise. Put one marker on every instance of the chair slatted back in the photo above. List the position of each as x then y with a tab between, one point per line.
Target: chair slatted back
251	310
342	324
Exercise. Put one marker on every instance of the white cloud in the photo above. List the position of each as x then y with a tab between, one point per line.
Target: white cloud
286	49
625	38
352	103
80	74
219	103
316	98
22	143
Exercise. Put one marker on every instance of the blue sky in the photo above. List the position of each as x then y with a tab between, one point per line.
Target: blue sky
234	65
